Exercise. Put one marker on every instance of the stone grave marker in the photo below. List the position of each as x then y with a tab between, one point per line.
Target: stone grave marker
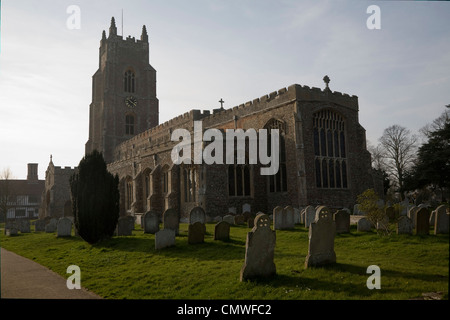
164	238
124	226
64	227
441	224
196	233
39	225
171	221
432	218
24	225
423	221
246	207
222	231
197	214
259	250
412	215
277	218
404	225
51	226
321	239
390	213
288	221
310	215
11	228
363	225
229	218
151	222
342	220
239	219
297	216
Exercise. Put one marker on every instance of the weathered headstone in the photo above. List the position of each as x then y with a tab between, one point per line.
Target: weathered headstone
229	218
197	214
310	215
39	225
390	213
288	214
11	228
259	250
171	220
246	207
363	225
432	218
64	227
24	225
441	224
297	217
222	231
302	215
51	226
423	221
239	219
404	225
277	218
321	239
164	238
412	215
232	210
196	233
150	222
124	226
283	219
342	219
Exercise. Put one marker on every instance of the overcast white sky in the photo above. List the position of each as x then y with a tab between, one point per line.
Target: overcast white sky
204	50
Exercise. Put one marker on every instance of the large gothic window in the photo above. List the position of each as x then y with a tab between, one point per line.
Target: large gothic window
239	181
129	124
129	82
278	181
189	183
329	150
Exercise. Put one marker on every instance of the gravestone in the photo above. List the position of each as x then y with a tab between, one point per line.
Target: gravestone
39	225
310	215
247	215
321	239
342	219
150	222
283	219
432	218
390	213
11	228
259	250
24	225
297	217
197	214
232	210
164	238
229	218
239	219
404	225
363	225
441	224
171	221
64	227
246	207
222	231
423	221
196	233
288	215
412	215
277	218
51	226
302	216
124	226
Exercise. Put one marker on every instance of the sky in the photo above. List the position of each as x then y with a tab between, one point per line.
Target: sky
205	50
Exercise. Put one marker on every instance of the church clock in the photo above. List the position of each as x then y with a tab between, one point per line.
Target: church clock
131	102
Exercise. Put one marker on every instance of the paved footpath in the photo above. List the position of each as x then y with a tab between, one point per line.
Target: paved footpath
22	278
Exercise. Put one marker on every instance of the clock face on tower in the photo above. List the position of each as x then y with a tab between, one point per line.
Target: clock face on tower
131	102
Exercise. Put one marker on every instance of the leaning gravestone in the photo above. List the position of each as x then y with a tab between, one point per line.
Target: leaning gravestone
124	226
229	218
64	227
342	219
363	225
259	250
197	214
151	222
404	225
321	239
222	231
51	226
423	221
310	215
441	225
164	238
196	233
171	221
39	225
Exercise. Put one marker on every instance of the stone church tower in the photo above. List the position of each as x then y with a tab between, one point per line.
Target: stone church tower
124	99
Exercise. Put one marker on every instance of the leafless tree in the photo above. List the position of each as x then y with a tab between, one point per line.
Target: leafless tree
378	161
437	124
399	148
6	192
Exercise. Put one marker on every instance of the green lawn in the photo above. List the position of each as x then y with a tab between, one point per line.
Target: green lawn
130	268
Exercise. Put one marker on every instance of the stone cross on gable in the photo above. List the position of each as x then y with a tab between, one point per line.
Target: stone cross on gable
221	103
326	79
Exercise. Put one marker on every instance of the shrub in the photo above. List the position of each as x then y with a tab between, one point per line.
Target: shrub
95	198
368	203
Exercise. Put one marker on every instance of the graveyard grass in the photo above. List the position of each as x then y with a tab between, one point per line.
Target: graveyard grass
129	267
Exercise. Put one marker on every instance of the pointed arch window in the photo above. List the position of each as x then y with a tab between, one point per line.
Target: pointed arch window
278	181
129	80
329	150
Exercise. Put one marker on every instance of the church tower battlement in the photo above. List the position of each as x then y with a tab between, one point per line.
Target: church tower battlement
124	101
